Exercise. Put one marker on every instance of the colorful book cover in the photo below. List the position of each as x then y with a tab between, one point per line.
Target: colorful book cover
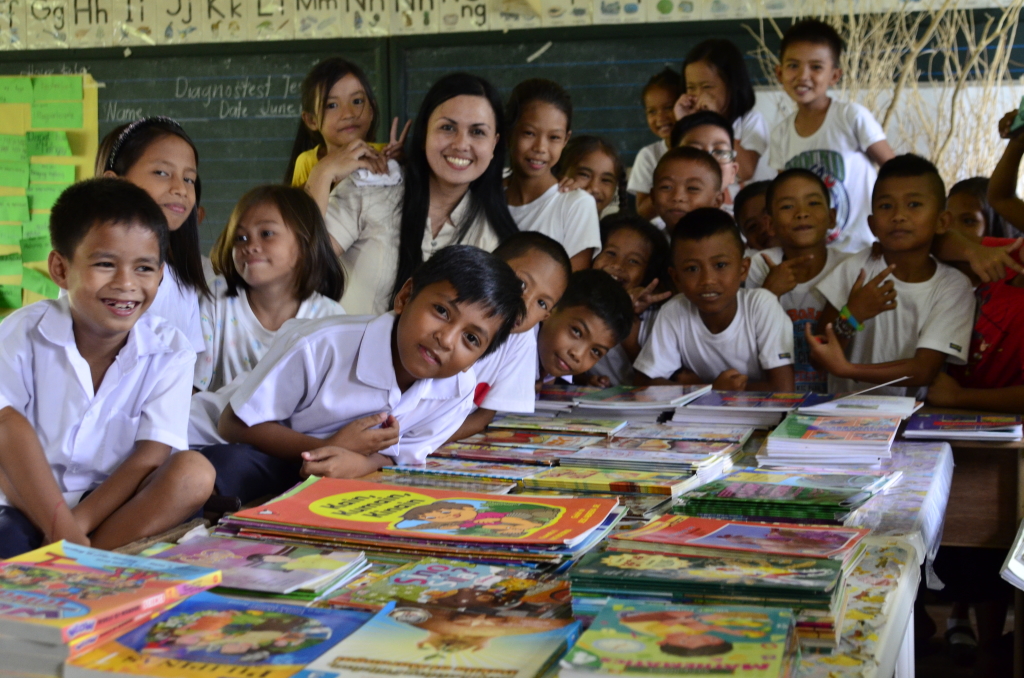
815	429
732	535
500	454
679	431
550	441
758	492
564	393
471	587
666	572
354	506
630	638
643	396
690	447
481	485
416	640
749	400
594	456
258	566
861	481
939	423
598	427
607	480
210	635
62	591
460	467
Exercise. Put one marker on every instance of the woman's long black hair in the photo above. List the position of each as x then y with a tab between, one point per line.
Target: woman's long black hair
486	194
121	149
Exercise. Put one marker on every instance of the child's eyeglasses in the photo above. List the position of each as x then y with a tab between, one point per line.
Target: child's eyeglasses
723	155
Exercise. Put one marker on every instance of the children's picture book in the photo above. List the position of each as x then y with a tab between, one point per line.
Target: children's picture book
704	534
356	507
609	480
471	587
258	566
693	447
643	397
682	431
415	640
210	635
479	485
463	468
799	433
594	427
501	454
825	479
62	591
964	427
549	441
630	637
564	393
748	400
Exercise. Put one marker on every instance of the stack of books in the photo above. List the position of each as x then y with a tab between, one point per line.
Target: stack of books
827	440
63	600
630	637
760	409
210	635
584	480
602	425
561	397
502	437
637	403
411	639
460	469
977	427
704	459
281	570
500	454
859	405
549	532
466	484
792	497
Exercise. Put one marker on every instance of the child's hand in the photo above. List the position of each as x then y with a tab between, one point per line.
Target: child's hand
598	380
66	527
335	462
342	162
567	184
874	298
1005	123
826	351
781	279
990	263
944	391
730	380
644	297
368	434
396	144
685	105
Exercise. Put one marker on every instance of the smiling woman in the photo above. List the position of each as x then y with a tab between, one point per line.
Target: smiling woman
451	193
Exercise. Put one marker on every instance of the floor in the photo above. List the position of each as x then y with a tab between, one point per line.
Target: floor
933	660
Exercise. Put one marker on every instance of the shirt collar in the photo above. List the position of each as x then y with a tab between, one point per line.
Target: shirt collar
374	365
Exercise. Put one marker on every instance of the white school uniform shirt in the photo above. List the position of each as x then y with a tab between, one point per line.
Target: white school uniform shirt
837	152
641	175
505	378
570	218
234	338
366	222
325	373
759	338
616	363
84	434
751	131
803	304
937	314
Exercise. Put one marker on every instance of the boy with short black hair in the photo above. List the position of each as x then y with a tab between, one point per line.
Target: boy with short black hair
293	415
914	313
684	180
713	134
594	315
800	218
714	331
838	140
93	391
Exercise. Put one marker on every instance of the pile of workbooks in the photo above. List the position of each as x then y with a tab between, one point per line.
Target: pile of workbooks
556	398
63	600
631	637
792	496
761	409
973	427
280	570
636	403
828	440
547	532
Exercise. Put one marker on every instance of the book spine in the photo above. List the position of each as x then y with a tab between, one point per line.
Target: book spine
113	617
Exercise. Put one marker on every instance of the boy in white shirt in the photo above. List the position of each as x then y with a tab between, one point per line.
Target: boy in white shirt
684	180
505	378
714	331
801	217
711	133
93	390
837	140
288	418
911	324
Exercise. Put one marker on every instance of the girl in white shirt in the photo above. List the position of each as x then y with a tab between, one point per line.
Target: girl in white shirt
715	78
156	155
539	116
274	262
451	193
659	96
592	164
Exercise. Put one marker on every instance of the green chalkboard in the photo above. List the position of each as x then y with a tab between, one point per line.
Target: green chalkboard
240	103
604	68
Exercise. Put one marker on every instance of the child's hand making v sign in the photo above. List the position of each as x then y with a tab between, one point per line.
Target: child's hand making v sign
783	278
